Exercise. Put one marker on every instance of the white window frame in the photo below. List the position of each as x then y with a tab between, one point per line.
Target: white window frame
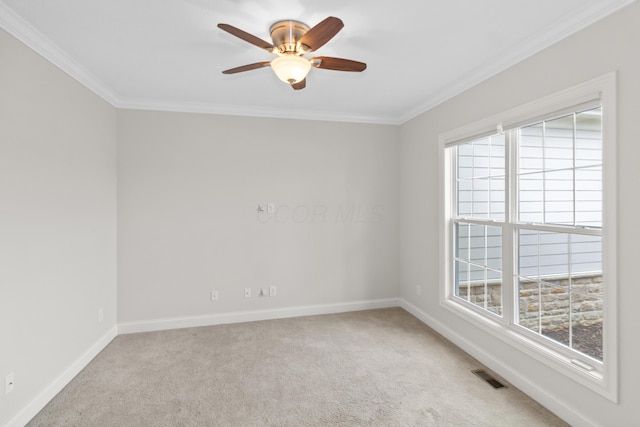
604	378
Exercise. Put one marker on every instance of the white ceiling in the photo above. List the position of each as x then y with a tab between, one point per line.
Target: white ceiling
169	54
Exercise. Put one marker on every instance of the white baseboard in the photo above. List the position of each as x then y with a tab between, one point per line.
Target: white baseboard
546	398
41	400
45	396
252	316
549	400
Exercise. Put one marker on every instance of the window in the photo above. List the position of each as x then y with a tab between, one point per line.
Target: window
525	231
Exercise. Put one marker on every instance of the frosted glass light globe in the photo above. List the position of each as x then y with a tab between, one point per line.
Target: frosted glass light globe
291	68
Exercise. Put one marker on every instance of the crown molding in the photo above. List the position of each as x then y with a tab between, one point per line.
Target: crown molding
13	24
253	111
30	36
549	36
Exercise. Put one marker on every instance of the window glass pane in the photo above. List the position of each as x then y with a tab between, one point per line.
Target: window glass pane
476	275
494	291
497	162
589	138
462	280
531	197
568	150
496	198
478	265
554	255
554	313
529	303
589	197
586	254
477	249
530	149
586	316
494	248
480	198
480	178
481	158
528	254
465	197
558	197
558	143
462	241
478	286
465	161
557	185
558	255
560	288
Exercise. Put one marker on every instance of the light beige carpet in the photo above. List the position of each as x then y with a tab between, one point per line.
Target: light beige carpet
368	368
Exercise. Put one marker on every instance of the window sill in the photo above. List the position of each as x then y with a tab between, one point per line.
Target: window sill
594	380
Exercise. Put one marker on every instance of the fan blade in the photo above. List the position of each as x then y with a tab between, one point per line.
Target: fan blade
248	67
317	36
338	64
300	85
250	38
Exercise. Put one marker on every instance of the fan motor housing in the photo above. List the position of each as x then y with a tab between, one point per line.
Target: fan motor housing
286	35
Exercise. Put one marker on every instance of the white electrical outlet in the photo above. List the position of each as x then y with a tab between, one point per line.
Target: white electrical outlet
272	291
264	292
100	315
271	207
214	295
247	292
9	383
418	290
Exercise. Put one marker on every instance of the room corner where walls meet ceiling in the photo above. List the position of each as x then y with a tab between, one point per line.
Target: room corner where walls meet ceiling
169	56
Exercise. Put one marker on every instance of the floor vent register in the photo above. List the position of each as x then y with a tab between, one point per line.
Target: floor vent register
488	378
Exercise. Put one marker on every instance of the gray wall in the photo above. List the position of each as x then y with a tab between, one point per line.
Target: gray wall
57	222
611	44
188	187
188	190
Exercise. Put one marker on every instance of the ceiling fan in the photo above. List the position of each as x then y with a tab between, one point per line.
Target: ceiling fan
291	41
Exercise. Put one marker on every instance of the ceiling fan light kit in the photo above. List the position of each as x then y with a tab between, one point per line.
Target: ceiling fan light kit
291	41
291	68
